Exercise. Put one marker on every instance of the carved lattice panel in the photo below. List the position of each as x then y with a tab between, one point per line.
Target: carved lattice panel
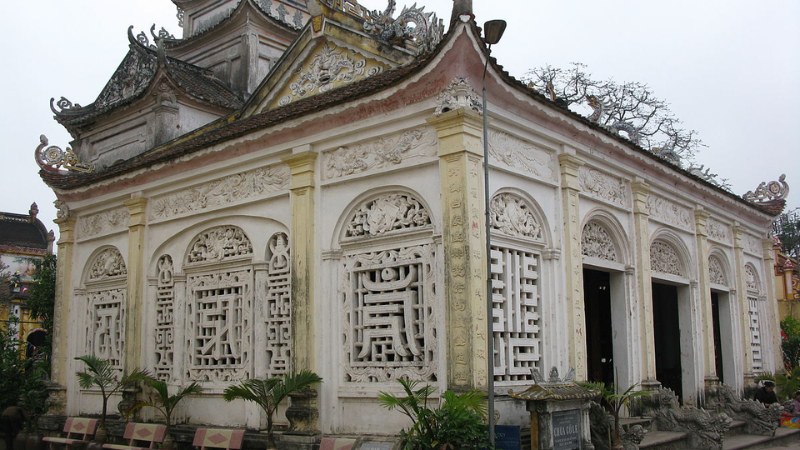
388	315
105	334
515	312
165	326
278	307
755	334
219	328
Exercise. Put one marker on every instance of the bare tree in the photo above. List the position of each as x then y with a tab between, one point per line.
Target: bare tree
630	109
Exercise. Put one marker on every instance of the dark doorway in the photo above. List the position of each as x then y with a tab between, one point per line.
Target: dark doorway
597	307
717	336
666	332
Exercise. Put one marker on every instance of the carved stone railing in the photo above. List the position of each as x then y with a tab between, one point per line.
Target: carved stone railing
602	422
758	418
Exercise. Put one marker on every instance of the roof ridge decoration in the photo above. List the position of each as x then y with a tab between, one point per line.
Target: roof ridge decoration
425	35
770	195
55	160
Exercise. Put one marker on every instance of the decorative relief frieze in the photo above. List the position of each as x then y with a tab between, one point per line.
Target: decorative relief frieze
519	155
603	186
458	94
664	258
718	231
102	223
597	243
218	326
222	192
332	67
670	213
385	152
388	314
751	279
165	319
511	215
752	245
107	264
219	244
278	306
716	271
387	213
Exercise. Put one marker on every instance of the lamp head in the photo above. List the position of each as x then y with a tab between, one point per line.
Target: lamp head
493	31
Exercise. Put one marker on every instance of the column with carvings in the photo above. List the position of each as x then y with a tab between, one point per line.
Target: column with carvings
770	303
460	169
303	414
61	310
740	285
711	377
134	315
573	262
644	287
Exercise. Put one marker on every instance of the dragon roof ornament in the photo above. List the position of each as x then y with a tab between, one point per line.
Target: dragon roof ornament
425	34
55	160
771	195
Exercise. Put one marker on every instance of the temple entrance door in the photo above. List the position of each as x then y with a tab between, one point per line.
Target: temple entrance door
666	331
599	340
717	337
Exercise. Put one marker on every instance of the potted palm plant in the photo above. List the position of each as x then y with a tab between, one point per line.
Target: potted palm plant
101	373
268	393
160	399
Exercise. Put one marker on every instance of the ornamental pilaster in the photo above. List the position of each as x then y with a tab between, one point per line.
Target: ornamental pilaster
302	166
573	262
773	325
704	296
644	287
741	288
137	207
460	168
63	300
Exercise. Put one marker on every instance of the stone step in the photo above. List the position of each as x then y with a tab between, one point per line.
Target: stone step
784	438
664	440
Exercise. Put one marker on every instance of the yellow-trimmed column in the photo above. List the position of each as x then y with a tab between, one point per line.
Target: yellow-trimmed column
464	236
61	308
744	303
134	309
573	262
644	287
302	165
704	287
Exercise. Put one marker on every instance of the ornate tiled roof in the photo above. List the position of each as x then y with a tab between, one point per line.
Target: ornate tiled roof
23	232
133	78
557	391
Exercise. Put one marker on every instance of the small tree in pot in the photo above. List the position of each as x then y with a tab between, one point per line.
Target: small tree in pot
161	400
102	374
269	393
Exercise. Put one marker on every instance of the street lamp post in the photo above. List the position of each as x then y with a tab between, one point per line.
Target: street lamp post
492	32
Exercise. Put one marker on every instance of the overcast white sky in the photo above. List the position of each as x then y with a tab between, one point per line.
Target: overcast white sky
730	69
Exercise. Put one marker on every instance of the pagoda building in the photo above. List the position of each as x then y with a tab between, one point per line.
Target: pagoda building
300	185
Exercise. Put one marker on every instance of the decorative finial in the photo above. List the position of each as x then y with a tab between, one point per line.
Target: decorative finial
53	159
771	195
34	211
461	8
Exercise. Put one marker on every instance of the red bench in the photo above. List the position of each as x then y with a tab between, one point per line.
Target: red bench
78	431
140	434
218	438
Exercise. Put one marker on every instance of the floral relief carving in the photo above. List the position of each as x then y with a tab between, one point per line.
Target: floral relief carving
717	231
751	279
388	315
716	272
664	258
668	212
458	94
603	186
222	192
384	152
597	243
107	264
387	213
218	244
103	222
520	155
330	68
752	245
512	216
